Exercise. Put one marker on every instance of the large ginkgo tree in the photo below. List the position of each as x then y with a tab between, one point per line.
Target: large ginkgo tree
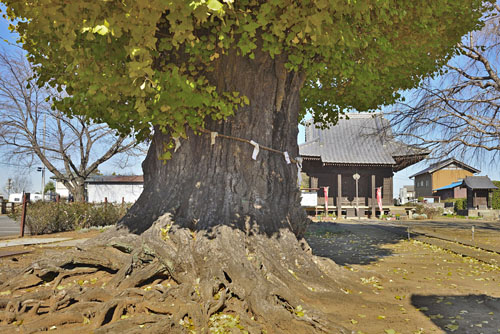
216	232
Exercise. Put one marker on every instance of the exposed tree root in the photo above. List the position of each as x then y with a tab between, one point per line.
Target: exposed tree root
174	280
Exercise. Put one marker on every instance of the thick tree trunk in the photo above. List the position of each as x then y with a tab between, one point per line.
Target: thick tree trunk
206	185
79	194
76	188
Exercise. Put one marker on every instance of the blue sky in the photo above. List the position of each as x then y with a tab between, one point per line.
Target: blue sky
10	168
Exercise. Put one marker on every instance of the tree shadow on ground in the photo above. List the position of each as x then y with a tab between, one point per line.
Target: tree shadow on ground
494	226
347	243
471	314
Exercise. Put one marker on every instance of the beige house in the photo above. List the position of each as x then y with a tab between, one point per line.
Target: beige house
439	175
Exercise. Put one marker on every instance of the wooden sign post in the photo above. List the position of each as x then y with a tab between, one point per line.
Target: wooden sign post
26	199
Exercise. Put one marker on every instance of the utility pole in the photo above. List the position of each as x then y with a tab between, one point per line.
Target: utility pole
9	186
43	168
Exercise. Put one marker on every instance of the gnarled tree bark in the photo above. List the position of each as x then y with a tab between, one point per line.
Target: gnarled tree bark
206	185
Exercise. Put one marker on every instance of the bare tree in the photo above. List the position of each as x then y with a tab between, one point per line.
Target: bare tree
459	112
31	130
17	184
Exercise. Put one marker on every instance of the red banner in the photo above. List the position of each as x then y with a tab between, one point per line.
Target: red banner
326	199
379	199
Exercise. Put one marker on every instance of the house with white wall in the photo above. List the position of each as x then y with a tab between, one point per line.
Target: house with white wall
61	189
406	194
114	188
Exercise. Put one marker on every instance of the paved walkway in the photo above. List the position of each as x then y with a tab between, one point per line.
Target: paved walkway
31	241
8	227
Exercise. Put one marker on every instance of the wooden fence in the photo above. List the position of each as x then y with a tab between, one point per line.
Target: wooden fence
7	207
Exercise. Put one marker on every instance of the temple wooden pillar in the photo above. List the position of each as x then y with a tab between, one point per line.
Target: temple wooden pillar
313	182
339	196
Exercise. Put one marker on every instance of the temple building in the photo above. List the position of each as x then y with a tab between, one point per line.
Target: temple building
479	190
359	146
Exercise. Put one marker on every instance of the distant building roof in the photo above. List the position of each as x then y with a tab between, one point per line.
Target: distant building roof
478	182
409	188
362	139
115	179
450	186
442	164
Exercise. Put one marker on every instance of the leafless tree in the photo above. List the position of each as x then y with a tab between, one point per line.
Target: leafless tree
17	184
458	113
32	131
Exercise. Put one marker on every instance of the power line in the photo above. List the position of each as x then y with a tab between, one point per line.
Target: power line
14	165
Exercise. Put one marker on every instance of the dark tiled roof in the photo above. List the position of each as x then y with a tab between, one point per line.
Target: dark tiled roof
116	179
361	139
478	182
442	164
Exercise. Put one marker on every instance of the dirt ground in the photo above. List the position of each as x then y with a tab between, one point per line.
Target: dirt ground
398	285
422	288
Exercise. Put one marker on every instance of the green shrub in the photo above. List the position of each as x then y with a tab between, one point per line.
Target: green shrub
430	212
51	217
495	197
433	212
460	204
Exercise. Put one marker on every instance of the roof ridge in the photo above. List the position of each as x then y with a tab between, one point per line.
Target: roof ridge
363	139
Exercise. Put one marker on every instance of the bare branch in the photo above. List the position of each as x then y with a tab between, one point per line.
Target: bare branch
458	113
71	148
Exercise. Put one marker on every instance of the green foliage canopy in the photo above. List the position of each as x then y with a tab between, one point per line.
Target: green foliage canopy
134	64
49	186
